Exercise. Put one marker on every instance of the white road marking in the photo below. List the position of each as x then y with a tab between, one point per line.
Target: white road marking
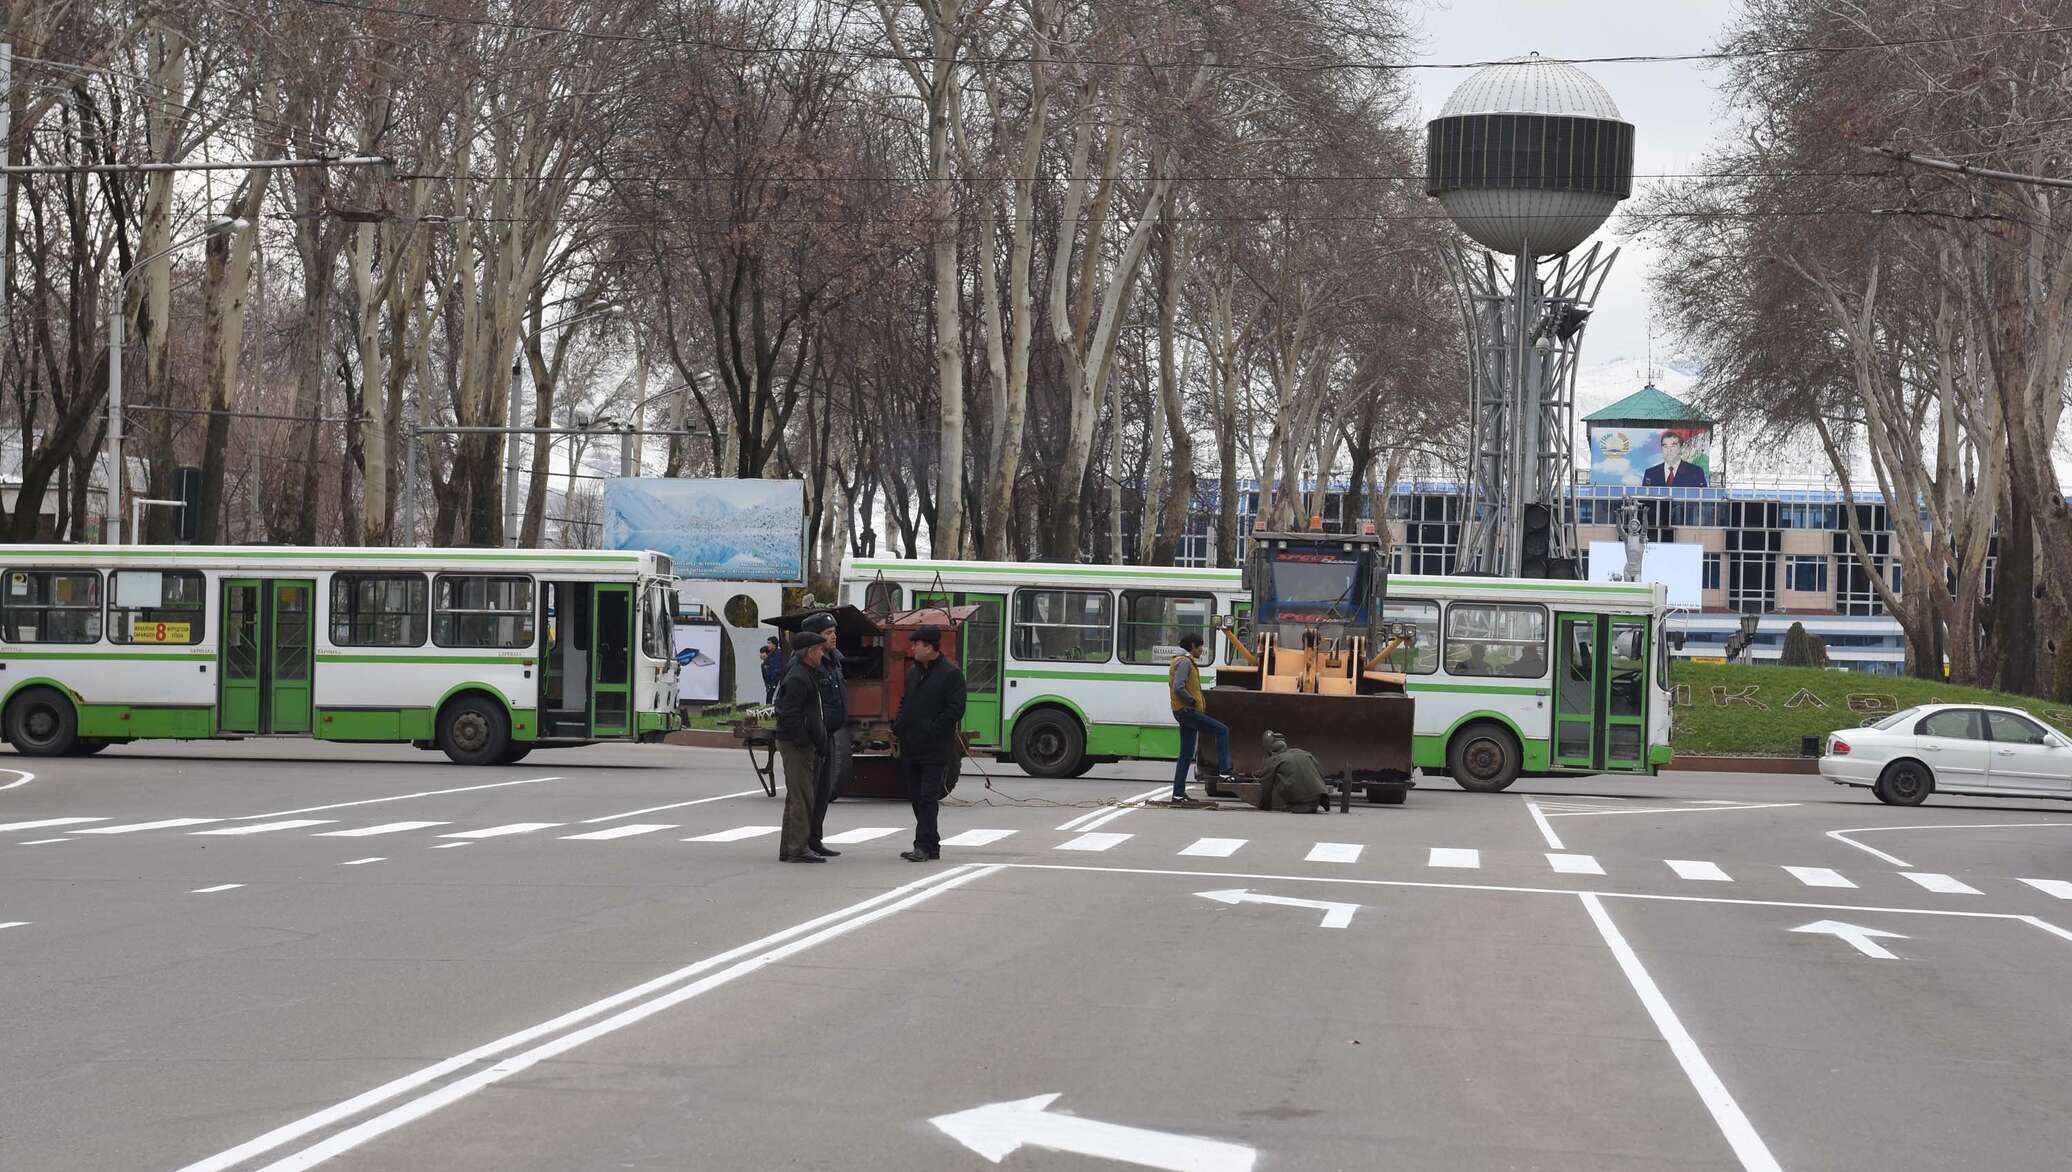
216	888
43	841
1574	864
1546	828
1109	813
675	805
1818	877
501	831
626	831
1678	810
1862	939
1334	852
742	961
1740	1134
1094	842
447	846
862	834
976	838
1452	856
1698	869
1336	915
736	834
358	862
430	793
268	827
164	824
2055	888
24	778
1842	836
42	822
1214	848
1941	884
997	1130
16	924
384	828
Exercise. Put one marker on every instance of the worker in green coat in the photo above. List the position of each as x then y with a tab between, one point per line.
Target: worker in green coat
1290	780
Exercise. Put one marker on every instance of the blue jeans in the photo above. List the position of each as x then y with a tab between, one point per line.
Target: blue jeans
1192	725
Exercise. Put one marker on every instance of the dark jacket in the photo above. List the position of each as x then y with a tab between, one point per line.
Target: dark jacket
1688	475
834	694
773	667
1288	777
930	711
799	719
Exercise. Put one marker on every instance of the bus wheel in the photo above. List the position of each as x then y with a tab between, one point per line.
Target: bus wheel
1085	766
1049	743
88	746
517	752
1483	758
41	723
473	730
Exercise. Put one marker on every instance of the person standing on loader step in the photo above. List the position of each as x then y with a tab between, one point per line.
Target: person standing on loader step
930	713
834	710
801	739
1191	713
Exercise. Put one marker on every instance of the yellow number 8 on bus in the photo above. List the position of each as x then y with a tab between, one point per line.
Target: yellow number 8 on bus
148	631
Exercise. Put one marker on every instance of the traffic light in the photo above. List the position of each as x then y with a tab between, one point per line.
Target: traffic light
1538	523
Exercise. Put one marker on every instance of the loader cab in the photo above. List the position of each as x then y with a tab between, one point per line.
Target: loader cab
1332	583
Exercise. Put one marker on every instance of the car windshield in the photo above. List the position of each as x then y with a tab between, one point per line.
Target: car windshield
1897	718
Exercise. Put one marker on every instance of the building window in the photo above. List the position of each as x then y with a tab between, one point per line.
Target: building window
1073	626
1421	658
1806	574
1711	571
52	606
155	606
1487	639
481	610
378	610
1152	623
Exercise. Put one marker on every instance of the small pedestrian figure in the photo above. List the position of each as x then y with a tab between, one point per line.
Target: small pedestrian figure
773	669
801	739
1190	712
930	713
835	763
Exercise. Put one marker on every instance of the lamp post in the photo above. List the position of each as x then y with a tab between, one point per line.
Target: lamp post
117	318
514	423
629	465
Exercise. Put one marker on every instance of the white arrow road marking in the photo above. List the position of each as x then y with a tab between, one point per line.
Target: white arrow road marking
1336	915
1862	939
996	1130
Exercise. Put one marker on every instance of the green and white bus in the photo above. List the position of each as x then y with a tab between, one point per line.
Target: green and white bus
1512	677
485	654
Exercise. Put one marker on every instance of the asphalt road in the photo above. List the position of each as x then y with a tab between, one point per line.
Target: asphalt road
287	955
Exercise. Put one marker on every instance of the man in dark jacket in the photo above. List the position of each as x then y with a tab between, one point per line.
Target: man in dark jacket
1289	779
801	739
834	710
930	713
773	669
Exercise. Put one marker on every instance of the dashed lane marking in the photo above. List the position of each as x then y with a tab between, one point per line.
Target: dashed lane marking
361	862
501	831
447	846
1698	869
1095	842
736	834
15	924
1818	877
215	889
43	841
862	834
268	827
40	823
1214	848
1334	852
384	828
1941	884
1451	856
162	824
1574	864
2055	888
976	838
627	831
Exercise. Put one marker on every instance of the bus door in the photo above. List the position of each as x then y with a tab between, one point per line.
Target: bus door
264	665
611	661
980	647
1600	692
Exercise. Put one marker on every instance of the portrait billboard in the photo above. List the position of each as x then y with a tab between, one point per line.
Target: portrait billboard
1678	565
1653	457
734	530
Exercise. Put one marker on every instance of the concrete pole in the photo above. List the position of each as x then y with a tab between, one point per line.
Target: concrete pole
115	343
410	476
511	519
629	463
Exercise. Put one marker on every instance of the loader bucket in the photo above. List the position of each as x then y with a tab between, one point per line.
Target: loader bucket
1363	738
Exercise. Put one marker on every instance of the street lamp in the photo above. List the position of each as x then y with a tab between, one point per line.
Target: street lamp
511	436
629	466
117	317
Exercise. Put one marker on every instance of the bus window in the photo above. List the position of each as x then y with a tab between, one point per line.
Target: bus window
52	606
378	610
1422	657
1496	639
481	610
657	632
881	597
1153	621
153	606
1063	625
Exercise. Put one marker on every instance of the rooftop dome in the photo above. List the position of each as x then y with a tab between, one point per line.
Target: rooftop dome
1531	85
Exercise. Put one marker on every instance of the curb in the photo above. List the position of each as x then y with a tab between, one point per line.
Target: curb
698	738
1796	765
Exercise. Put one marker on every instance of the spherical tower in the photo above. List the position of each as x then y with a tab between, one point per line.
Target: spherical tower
1529	156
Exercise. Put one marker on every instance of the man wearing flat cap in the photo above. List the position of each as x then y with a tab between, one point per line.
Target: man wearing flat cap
801	739
930	713
834	712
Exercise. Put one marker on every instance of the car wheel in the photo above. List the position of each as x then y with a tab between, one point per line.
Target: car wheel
1904	783
1048	743
473	730
41	723
1483	758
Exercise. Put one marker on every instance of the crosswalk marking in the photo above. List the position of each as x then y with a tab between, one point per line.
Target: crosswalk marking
268	827
626	831
1095	841
1941	884
2056	888
216	888
1698	869
384	828
358	862
1453	856
500	831
42	822
15	924
1334	852
736	834
862	834
162	824
1574	864
1214	848
976	838
1818	877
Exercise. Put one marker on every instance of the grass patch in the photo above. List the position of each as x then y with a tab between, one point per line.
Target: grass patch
1706	728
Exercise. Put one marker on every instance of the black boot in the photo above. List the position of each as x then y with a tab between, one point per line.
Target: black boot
825	852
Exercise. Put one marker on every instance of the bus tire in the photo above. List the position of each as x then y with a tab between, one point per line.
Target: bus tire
88	746
1483	757
41	723
1049	743
517	751
473	730
1085	766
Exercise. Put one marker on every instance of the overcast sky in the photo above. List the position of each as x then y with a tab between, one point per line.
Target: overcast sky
1673	108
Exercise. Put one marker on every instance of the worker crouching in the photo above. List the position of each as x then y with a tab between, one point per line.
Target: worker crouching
1290	780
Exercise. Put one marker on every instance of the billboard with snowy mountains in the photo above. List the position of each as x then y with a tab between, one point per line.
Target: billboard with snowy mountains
735	530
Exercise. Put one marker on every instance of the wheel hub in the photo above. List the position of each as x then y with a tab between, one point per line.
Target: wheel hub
470	732
1483	759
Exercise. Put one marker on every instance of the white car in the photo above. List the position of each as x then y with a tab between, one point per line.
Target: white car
1951	749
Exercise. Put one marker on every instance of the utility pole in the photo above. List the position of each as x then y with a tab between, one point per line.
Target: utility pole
511	452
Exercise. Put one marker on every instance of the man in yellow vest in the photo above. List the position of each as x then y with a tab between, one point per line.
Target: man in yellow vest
1191	713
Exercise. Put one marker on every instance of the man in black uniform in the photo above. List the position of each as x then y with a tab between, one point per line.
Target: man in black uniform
834	711
801	739
930	713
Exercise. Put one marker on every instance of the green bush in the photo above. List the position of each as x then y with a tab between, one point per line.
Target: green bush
1802	649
